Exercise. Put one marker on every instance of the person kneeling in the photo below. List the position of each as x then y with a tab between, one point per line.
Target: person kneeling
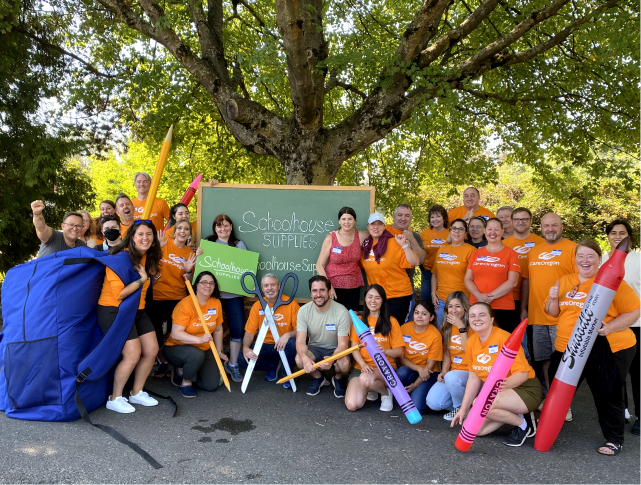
365	381
518	395
188	348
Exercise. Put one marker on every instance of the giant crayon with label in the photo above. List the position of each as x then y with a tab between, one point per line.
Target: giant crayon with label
557	403
387	371
490	388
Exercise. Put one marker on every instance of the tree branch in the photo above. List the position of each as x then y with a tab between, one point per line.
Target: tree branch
334	83
210	31
414	35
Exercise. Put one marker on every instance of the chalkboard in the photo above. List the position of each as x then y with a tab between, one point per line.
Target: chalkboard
285	224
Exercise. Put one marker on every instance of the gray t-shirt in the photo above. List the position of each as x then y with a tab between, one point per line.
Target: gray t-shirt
324	328
224	294
57	243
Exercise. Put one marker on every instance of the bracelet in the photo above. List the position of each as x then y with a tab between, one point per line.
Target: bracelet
405	246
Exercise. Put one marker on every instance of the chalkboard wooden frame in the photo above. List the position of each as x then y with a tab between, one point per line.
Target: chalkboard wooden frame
205	187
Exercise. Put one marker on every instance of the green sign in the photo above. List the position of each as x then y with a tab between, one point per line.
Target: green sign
228	264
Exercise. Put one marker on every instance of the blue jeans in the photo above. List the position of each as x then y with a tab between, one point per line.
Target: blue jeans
426	284
407	376
234	309
269	358
448	395
439	313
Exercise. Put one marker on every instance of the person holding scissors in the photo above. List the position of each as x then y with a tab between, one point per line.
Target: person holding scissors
285	319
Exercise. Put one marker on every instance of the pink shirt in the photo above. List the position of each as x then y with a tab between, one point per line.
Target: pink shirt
342	269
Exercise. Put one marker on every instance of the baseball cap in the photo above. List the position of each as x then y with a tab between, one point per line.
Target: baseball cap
376	216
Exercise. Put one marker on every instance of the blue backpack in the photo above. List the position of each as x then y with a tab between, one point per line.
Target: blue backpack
55	362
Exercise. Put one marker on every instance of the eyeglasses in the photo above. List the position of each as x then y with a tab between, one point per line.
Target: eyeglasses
520	219
142	220
457	229
77	228
207	283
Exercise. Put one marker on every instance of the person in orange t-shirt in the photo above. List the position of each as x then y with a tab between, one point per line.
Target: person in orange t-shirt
546	263
160	209
385	259
606	374
423	351
177	213
141	347
492	273
449	267
448	392
517	396
434	238
177	262
366	381
187	348
471	207
285	319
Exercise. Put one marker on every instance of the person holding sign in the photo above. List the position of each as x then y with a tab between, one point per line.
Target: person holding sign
385	259
177	262
341	251
516	397
366	381
285	318
187	348
233	305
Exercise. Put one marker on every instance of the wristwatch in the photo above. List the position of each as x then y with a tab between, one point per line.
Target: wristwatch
462	330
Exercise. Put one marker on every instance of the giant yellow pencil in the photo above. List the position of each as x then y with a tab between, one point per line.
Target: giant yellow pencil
160	167
331	358
206	329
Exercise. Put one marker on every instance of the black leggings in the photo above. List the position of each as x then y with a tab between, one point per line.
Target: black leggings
399	307
159	312
199	366
349	297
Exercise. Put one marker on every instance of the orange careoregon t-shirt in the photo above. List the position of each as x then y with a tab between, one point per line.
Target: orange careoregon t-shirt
419	347
171	284
491	271
185	315
433	241
449	266
392	341
522	247
458	357
159	211
481	356
460	212
546	263
284	318
390	273
113	286
169	234
625	301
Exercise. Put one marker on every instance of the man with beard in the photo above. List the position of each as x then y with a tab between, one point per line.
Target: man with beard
327	324
546	264
125	209
53	241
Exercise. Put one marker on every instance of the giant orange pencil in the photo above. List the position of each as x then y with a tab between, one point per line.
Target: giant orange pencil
160	167
212	346
189	194
329	359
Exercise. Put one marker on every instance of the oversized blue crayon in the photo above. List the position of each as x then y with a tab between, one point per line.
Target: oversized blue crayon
386	370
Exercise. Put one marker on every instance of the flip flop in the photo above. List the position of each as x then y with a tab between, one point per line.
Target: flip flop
616	449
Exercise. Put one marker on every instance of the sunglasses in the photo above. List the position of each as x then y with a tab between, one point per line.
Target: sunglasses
142	220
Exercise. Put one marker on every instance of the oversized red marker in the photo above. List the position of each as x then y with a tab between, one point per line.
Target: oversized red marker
557	403
488	393
189	194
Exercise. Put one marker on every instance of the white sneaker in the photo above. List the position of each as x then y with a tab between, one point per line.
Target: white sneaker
627	414
387	402
568	417
450	416
120	405
143	399
372	396
541	405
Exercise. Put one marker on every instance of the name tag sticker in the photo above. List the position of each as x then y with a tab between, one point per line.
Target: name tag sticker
407	338
211	311
330	327
557	252
261	312
457	359
493	349
529	244
337	250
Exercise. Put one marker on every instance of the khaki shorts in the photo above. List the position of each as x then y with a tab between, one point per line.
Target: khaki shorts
530	393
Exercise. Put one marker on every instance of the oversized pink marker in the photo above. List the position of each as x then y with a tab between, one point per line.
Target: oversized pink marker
595	308
189	194
490	388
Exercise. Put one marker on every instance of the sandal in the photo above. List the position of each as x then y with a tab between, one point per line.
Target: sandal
616	449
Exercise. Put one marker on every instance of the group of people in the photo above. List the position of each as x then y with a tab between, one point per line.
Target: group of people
481	275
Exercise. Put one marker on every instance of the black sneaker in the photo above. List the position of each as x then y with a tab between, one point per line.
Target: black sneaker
339	387
635	428
162	370
315	387
530	422
517	436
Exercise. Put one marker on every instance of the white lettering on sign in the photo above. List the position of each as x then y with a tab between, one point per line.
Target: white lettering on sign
286	232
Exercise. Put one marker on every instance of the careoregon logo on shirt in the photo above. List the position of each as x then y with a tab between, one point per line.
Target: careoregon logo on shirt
488	259
176	259
456	339
437	241
278	317
418	346
447	256
546	256
524	249
576	296
483	358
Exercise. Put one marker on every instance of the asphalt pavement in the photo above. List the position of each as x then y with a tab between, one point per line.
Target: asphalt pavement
271	435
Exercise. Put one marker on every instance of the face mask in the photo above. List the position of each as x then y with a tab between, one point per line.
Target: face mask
112	234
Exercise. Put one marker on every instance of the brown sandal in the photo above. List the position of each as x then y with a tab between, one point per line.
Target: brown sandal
616	449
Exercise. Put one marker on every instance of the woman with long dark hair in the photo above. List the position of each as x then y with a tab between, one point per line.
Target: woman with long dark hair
365	378
180	212
139	352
